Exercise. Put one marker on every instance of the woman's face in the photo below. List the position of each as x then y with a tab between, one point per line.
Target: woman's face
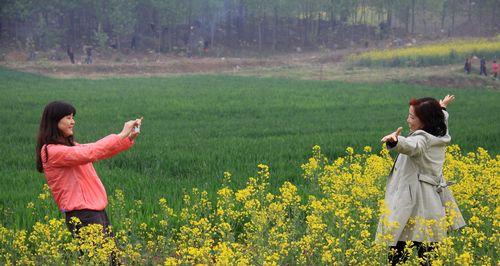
66	125
413	122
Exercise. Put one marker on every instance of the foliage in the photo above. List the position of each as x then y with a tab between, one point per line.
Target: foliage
101	38
250	22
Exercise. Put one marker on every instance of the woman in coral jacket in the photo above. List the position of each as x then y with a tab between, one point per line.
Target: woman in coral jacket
67	165
417	195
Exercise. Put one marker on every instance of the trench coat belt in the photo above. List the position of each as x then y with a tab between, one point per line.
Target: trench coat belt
444	196
432	181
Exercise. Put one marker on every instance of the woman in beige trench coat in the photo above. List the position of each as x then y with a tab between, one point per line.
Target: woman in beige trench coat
417	195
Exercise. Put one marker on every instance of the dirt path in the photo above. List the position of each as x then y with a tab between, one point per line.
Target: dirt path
318	66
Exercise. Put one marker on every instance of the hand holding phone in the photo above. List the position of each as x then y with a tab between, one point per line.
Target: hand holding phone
137	127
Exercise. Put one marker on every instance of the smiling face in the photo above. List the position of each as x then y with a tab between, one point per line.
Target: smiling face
413	121
65	125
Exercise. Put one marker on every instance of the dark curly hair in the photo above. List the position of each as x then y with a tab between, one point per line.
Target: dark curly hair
430	113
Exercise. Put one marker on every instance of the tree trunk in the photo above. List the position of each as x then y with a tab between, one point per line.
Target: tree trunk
306	31
443	13
424	20
318	30
452	32
332	16
494	18
189	12
363	13
171	37
212	31
275	26
16	34
306	25
118	43
240	22
407	19
160	40
288	23
469	11
389	16
260	33
412	17
228	26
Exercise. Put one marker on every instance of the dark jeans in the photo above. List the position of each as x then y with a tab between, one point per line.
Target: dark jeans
90	217
397	254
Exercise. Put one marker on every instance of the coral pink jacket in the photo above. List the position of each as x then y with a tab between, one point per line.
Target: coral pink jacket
71	176
495	67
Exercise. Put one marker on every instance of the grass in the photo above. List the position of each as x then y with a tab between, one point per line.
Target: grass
197	127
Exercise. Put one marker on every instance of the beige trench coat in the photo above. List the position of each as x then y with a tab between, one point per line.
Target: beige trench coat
417	193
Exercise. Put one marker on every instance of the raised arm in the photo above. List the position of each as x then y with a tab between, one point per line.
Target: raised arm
448	99
411	146
63	156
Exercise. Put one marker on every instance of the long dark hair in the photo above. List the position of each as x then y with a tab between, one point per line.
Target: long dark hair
49	133
430	113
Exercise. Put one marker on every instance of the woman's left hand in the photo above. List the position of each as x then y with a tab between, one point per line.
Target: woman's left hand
447	100
128	129
393	137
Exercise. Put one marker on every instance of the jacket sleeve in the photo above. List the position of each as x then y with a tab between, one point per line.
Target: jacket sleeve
446	116
412	145
62	156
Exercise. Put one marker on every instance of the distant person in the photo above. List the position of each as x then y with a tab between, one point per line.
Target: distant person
30	44
114	45
68	165
206	45
417	195
133	43
468	65
71	55
482	67
88	51
494	69
156	33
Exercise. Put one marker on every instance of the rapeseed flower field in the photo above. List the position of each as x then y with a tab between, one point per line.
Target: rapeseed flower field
430	54
334	224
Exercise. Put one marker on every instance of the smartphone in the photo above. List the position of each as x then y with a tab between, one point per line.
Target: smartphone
137	129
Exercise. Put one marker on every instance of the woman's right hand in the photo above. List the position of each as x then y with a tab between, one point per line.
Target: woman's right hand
393	137
128	129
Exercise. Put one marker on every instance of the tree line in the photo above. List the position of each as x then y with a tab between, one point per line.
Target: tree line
192	25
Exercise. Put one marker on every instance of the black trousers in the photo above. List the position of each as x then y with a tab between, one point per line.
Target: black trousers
397	254
88	217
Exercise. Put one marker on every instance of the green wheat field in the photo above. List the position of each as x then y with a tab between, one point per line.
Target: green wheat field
197	127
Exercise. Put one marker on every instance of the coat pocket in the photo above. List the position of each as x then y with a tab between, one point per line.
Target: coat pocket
409	191
404	197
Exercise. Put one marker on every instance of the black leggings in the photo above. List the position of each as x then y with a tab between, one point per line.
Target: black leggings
397	254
